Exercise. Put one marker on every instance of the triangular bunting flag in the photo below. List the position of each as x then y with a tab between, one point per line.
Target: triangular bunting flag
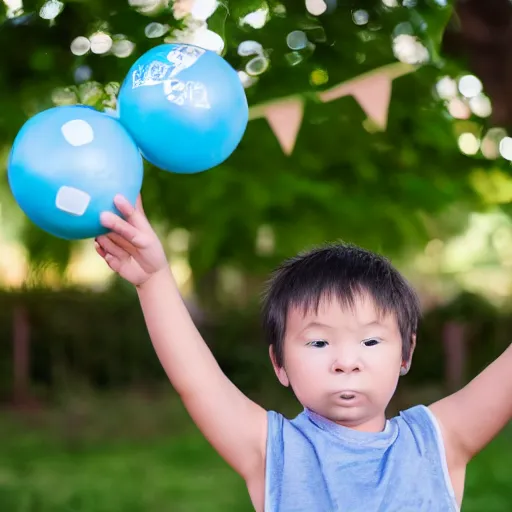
374	96
373	93
285	119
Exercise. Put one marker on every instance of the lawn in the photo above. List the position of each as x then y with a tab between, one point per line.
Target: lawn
132	454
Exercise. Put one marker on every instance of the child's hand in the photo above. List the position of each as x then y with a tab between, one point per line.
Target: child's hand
132	248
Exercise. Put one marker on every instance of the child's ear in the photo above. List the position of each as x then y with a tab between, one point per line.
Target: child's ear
279	370
406	364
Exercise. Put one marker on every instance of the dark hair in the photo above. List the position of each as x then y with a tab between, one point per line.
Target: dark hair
341	271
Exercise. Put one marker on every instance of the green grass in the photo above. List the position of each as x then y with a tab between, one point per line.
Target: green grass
133	454
117	454
489	477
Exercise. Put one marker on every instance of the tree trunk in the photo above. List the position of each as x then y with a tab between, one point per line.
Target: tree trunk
455	349
21	357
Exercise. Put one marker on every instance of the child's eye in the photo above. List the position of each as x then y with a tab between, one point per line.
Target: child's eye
318	343
370	343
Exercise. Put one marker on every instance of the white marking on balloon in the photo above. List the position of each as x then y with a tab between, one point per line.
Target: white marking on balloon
78	132
194	94
72	200
157	72
151	74
182	57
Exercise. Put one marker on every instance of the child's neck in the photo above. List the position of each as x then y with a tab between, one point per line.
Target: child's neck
372	425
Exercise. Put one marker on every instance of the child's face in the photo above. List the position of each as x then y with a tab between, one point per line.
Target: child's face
343	363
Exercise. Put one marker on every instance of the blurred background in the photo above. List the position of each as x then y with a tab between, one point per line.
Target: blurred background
386	123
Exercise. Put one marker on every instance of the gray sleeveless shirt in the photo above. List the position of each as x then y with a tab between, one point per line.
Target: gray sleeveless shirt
316	465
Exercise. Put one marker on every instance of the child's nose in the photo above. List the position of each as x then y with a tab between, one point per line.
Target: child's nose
346	364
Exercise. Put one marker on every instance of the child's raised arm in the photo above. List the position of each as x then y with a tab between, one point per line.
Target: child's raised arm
473	416
233	424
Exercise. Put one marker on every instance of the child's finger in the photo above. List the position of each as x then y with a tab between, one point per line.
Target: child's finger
121	242
99	249
113	262
135	216
114	223
138	204
109	246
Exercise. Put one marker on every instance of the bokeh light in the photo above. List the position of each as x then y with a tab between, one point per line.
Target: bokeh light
409	49
505	148
470	86
469	144
51	9
256	19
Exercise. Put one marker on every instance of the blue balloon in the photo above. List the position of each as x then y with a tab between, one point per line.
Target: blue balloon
184	106
67	164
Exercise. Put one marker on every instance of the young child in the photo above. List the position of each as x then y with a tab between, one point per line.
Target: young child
341	324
